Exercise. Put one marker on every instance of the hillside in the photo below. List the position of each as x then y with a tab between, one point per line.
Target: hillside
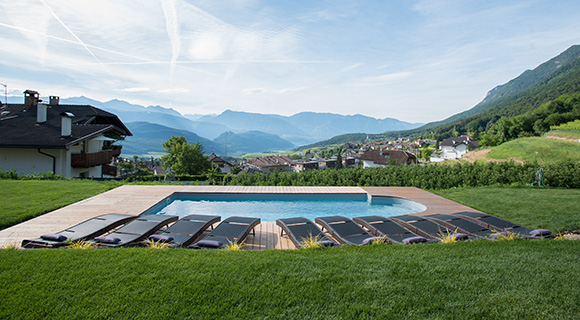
533	88
148	139
525	91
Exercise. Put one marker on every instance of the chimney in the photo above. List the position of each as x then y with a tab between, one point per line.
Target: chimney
66	124
54	100
31	99
41	110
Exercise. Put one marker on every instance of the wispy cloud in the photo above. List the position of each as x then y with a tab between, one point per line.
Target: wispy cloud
251	91
134	90
383	79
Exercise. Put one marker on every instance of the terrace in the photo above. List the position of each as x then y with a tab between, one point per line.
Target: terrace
135	199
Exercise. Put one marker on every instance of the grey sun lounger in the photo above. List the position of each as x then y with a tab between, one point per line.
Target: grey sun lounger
301	229
231	230
502	225
423	227
462	224
344	230
134	231
85	230
185	230
385	227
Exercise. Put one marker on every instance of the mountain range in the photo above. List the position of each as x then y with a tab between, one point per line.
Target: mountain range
246	132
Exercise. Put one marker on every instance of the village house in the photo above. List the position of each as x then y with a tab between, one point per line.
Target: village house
381	158
455	148
306	165
68	140
223	165
272	163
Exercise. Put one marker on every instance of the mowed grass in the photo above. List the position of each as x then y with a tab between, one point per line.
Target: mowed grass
524	149
24	199
554	209
522	279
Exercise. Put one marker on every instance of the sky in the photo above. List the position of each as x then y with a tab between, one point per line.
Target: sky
416	61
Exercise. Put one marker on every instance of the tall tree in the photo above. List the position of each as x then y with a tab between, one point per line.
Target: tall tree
184	158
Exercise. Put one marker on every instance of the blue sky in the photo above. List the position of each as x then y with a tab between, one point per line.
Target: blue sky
416	61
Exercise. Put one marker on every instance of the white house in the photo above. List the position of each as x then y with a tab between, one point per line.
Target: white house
223	165
455	148
68	140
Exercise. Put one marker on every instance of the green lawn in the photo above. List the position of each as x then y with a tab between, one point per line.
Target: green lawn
554	209
24	199
522	279
549	150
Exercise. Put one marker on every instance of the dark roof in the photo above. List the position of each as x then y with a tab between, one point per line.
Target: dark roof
19	129
272	161
213	158
398	155
455	141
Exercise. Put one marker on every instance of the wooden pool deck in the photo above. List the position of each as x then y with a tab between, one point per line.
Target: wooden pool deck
135	199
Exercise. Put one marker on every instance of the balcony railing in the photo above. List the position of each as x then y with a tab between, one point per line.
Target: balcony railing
86	160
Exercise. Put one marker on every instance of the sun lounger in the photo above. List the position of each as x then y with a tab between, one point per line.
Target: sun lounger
385	227
134	231
501	225
425	228
345	230
231	230
462	225
85	230
300	229
185	230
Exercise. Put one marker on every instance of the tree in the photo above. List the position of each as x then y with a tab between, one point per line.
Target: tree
184	158
426	153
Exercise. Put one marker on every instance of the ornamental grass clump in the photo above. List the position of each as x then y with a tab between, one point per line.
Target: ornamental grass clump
157	244
11	246
379	241
448	236
234	246
311	242
505	235
82	245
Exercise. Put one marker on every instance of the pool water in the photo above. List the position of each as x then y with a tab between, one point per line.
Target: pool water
269	207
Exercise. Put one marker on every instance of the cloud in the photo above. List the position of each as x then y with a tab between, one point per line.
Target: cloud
383	79
174	90
252	91
134	90
351	67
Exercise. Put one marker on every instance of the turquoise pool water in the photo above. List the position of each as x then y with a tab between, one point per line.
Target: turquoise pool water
270	207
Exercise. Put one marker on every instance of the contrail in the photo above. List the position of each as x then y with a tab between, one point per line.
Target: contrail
74	42
172	31
75	36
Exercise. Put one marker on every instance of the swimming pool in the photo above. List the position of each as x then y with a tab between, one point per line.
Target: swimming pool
269	207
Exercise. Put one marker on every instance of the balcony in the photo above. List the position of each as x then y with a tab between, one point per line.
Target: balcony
86	160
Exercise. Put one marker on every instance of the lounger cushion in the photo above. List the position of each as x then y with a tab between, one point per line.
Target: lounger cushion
106	239
417	239
54	237
327	243
161	237
461	236
209	244
540	232
373	239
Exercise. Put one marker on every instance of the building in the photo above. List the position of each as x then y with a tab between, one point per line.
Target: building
455	148
306	165
272	163
382	158
223	165
68	140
